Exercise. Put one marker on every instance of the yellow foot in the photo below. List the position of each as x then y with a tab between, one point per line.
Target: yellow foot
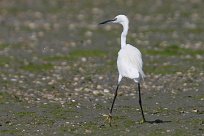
142	121
108	118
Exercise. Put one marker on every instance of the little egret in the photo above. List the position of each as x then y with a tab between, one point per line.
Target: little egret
129	62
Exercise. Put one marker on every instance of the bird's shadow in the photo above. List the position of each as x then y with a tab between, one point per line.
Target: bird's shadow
158	121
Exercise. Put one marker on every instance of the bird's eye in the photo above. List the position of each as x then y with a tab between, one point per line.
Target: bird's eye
114	19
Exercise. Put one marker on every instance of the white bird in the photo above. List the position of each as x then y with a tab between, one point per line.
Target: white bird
129	62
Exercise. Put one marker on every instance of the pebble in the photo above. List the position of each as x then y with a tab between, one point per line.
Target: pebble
13	80
199	56
99	87
96	92
76	79
88	131
132	94
31	25
195	110
168	131
83	59
51	82
106	91
21	82
78	106
100	77
88	34
179	73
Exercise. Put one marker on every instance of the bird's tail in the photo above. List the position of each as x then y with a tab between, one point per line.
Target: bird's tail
142	75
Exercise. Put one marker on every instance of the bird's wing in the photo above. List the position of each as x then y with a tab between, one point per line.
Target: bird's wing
130	62
135	58
125	66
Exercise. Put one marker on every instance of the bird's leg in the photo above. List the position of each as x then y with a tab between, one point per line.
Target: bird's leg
109	116
140	102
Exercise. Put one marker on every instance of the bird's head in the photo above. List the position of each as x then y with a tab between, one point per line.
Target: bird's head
121	19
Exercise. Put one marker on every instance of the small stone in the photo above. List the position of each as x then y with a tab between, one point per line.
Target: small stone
195	110
179	73
88	131
51	82
20	81
83	59
13	79
132	94
96	92
100	77
88	34
78	106
106	91
182	111
76	79
99	87
32	25
88	42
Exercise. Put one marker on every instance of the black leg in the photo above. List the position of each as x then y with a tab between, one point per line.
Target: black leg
140	102
109	117
116	92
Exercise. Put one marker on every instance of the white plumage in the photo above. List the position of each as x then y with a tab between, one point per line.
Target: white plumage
129	61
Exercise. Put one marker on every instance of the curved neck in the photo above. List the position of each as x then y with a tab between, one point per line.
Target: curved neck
124	34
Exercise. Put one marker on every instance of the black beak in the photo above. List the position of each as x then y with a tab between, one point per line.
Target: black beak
104	22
